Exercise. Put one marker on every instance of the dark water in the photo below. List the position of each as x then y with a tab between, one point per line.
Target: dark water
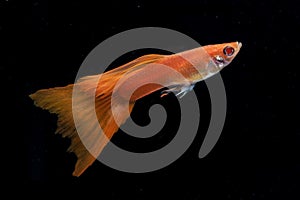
257	156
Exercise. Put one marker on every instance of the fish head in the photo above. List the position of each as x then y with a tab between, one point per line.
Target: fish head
222	54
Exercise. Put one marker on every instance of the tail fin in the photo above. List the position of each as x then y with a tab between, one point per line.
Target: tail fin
59	101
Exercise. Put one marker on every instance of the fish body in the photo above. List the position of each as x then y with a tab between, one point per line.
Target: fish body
192	66
112	90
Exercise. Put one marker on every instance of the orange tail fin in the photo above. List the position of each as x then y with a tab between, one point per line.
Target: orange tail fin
59	100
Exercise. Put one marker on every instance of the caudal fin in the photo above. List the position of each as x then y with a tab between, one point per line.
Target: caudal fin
59	101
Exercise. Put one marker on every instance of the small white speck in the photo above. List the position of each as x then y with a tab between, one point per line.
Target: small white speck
217	16
138	6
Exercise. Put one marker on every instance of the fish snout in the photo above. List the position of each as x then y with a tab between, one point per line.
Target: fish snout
239	44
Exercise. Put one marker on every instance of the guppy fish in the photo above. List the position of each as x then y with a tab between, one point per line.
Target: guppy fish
113	91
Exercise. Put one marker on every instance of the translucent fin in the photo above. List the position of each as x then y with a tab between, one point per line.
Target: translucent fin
59	101
178	90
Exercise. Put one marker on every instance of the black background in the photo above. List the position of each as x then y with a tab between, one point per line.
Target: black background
257	156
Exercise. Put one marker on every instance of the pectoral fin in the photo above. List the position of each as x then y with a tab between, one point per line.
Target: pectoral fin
178	90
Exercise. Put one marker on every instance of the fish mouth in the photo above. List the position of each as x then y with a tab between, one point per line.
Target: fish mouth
239	44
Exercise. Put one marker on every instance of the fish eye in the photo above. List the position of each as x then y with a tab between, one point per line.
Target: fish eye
228	51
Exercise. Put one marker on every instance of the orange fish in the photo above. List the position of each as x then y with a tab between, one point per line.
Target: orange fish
113	90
